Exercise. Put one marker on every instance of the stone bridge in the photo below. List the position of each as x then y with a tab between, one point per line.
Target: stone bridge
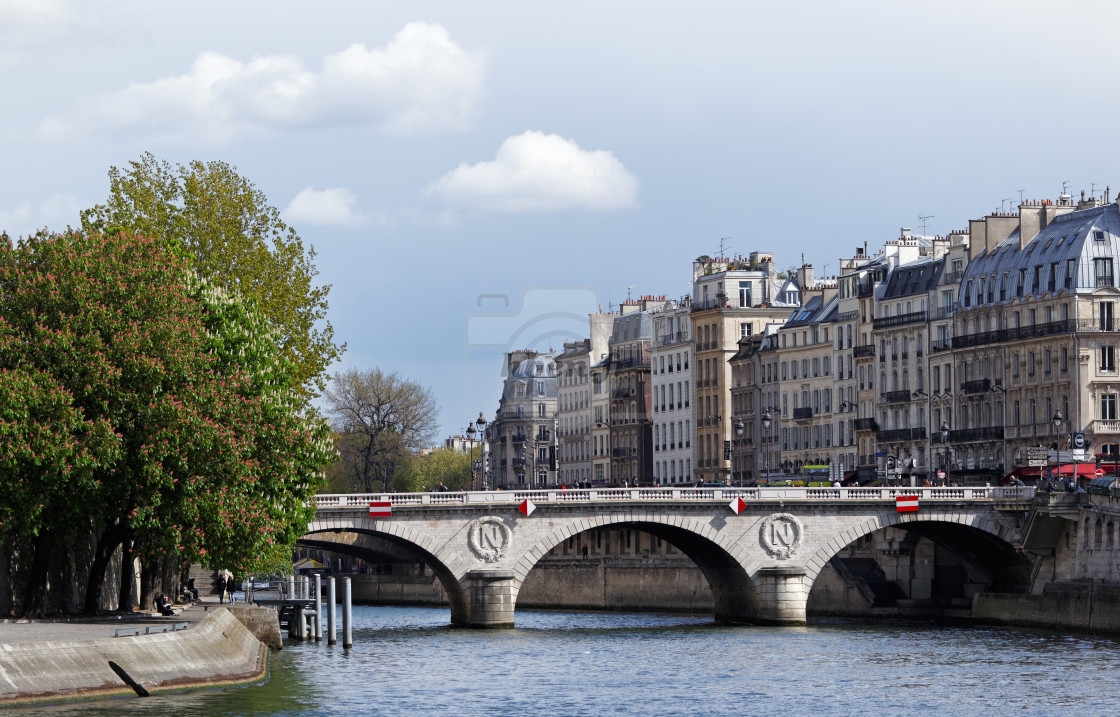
759	548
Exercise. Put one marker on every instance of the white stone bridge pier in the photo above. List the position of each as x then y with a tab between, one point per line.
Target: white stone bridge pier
760	562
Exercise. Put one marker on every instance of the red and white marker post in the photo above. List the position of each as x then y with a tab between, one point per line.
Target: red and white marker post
380	509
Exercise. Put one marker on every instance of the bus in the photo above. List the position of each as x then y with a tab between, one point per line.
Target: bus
811	476
815	476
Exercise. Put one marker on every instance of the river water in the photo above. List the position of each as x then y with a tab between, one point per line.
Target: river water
408	661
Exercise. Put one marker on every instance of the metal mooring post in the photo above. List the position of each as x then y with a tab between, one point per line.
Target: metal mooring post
331	639
318	608
347	634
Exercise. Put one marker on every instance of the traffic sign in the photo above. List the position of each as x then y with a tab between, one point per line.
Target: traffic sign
1079	441
527	507
737	506
1037	462
380	509
1099	473
941	475
906	504
1038	453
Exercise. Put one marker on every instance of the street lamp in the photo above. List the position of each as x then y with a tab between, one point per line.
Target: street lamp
945	442
739	433
1058	419
481	432
766	419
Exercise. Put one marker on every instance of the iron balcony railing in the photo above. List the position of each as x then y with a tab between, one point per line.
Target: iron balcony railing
866	424
980	385
970	435
640	362
678	337
940	345
898	435
803	412
895	396
889	322
865	351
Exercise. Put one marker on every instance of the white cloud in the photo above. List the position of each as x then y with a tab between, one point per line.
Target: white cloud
331	206
421	81
55	213
32	12
540	172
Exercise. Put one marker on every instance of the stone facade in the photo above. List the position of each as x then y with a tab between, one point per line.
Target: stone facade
671	373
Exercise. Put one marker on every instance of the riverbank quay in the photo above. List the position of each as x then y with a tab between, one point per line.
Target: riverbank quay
73	659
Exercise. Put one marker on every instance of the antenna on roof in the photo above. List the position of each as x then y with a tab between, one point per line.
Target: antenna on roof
722	249
1020	195
922	218
628	291
1008	199
1065	186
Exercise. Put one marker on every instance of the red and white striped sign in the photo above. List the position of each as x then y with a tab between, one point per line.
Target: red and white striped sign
906	504
1099	473
737	506
380	509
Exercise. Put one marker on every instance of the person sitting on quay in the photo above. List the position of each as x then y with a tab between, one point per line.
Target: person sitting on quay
164	606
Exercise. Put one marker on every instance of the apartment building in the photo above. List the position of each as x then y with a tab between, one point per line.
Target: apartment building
732	298
575	402
672	391
522	435
1035	338
630	419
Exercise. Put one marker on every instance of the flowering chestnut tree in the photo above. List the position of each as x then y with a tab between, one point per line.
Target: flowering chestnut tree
186	439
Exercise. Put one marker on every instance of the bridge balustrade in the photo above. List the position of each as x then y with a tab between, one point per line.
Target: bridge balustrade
669	493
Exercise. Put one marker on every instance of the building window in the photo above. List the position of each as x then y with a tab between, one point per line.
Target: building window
1105	314
1108	358
1102	270
1108	407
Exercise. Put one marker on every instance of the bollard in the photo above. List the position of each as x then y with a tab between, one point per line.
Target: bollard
318	608
347	634
331	640
292	587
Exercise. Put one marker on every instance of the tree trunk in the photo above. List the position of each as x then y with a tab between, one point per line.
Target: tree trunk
102	554
35	592
149	576
128	578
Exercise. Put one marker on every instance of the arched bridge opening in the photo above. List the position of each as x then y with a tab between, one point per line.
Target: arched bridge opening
383	548
916	568
634	564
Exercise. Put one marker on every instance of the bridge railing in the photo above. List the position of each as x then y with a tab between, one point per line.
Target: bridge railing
671	494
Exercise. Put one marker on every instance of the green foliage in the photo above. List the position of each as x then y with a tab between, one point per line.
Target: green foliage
379	419
234	239
141	402
427	471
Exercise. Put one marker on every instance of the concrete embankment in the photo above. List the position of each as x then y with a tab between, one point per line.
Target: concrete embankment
216	650
1092	607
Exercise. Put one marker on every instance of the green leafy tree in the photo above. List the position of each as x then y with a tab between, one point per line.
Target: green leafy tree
207	452
234	239
379	419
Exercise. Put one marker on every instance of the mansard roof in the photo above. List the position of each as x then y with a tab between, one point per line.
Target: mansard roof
1070	241
915	278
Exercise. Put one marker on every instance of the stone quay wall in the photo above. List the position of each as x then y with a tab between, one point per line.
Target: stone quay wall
218	650
1090	607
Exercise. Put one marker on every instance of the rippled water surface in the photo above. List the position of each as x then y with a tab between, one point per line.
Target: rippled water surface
408	661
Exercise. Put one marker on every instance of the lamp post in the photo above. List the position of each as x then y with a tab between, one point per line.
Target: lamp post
766	419
481	431
1058	420
945	442
739	433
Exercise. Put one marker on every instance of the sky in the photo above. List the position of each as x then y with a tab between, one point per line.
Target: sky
477	177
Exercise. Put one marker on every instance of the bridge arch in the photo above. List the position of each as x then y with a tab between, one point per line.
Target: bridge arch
714	553
974	537
405	536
